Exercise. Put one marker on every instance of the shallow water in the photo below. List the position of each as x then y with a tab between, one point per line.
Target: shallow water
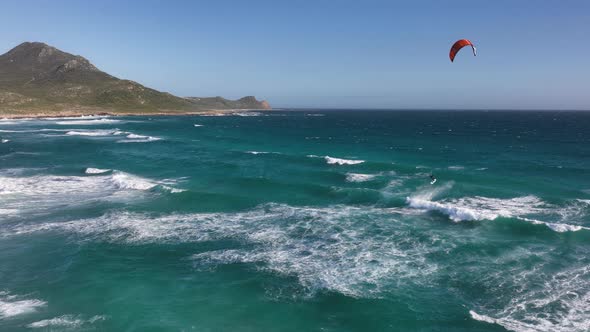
297	221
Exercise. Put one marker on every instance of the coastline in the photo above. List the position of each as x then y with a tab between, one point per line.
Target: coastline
68	114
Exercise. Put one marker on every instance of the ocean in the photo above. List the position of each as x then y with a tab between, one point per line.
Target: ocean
303	220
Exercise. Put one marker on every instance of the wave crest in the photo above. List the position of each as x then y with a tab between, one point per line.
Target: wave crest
339	161
91	170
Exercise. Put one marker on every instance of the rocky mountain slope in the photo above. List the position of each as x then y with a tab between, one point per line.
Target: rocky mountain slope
36	77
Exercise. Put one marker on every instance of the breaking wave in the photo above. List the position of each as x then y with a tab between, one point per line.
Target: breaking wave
39	193
333	248
94	132
485	208
339	161
91	170
14	305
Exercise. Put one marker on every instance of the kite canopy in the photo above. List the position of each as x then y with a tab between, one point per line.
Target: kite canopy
459	44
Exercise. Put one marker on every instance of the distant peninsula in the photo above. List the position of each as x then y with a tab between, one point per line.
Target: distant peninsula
39	80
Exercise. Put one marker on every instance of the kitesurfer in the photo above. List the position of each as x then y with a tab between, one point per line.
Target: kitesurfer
432	179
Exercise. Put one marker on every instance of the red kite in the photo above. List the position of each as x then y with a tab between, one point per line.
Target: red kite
459	44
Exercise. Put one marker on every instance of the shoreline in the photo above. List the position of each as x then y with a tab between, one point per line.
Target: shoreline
41	115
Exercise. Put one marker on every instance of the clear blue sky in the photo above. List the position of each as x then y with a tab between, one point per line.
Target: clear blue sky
377	54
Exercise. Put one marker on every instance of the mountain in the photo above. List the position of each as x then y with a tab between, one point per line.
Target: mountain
249	102
38	77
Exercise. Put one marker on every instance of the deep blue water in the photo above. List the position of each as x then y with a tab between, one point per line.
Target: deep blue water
308	220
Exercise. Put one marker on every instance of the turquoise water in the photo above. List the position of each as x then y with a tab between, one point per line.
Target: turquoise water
297	221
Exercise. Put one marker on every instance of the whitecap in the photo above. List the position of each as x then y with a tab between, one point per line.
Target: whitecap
198	125
5	140
93	132
339	161
356	177
135	138
261	152
65	321
14	305
128	181
455	213
485	208
79	117
88	122
91	170
33	130
477	208
557	227
39	193
456	168
248	114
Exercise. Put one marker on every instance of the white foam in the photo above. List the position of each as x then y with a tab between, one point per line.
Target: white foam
561	228
14	305
198	125
333	248
5	140
213	114
248	114
542	300
128	181
93	132
91	170
39	193
557	227
356	177
135	138
339	161
65	321
485	208
455	213
481	318
100	121
456	168
80	117
477	208
261	152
